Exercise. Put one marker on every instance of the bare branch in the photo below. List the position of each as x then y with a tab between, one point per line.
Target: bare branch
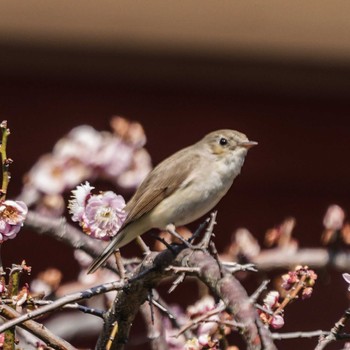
335	333
59	303
294	335
37	329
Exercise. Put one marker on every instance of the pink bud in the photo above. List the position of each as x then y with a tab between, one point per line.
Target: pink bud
277	322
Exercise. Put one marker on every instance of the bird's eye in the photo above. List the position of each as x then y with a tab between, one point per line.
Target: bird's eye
223	141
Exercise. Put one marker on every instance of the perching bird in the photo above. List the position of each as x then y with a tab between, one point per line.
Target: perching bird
183	187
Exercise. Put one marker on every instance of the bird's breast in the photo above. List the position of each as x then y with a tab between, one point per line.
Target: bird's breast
197	195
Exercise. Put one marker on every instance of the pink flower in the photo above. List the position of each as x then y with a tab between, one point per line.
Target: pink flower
53	175
79	200
271	299
192	344
277	322
334	217
289	279
115	156
201	307
82	143
12	216
100	216
140	167
346	277
306	293
246	243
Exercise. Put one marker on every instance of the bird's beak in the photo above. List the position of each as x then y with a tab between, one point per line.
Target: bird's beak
248	144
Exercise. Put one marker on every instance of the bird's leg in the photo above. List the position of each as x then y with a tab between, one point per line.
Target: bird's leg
171	229
120	265
162	240
144	247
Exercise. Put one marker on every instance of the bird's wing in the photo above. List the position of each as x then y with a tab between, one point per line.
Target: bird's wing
160	183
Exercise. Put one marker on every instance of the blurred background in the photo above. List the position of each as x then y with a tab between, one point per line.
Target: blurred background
277	71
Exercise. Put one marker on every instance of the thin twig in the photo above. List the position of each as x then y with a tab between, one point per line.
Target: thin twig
335	332
150	302
216	257
294	335
234	267
37	329
5	161
59	303
209	232
176	282
200	319
254	297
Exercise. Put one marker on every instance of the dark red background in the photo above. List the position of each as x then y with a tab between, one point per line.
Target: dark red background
301	121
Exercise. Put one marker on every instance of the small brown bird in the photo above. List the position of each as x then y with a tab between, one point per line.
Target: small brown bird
183	187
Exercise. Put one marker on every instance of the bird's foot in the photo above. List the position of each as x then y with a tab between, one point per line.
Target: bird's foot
172	230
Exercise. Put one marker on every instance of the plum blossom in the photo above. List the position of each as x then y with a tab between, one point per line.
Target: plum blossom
271	299
277	321
100	216
246	244
81	142
346	277
192	344
201	307
334	217
12	216
85	154
79	200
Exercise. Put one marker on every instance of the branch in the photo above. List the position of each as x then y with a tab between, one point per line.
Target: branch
68	234
37	329
293	335
202	265
155	329
271	259
335	333
59	303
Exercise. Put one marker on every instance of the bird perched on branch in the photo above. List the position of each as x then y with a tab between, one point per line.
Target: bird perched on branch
183	187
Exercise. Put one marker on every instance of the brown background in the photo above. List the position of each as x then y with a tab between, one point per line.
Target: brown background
292	98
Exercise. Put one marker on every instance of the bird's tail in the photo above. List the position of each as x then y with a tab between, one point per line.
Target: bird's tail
116	242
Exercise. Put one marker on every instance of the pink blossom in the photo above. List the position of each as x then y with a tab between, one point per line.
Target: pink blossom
289	279
306	293
246	242
53	175
204	340
79	200
209	328
140	167
277	322
115	156
346	277
334	217
271	299
12	216
201	307
83	143
100	216
192	344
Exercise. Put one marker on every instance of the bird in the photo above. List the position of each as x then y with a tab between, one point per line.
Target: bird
182	188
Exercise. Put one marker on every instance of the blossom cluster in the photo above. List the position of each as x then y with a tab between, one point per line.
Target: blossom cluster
205	335
300	281
267	313
300	274
87	154
101	215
